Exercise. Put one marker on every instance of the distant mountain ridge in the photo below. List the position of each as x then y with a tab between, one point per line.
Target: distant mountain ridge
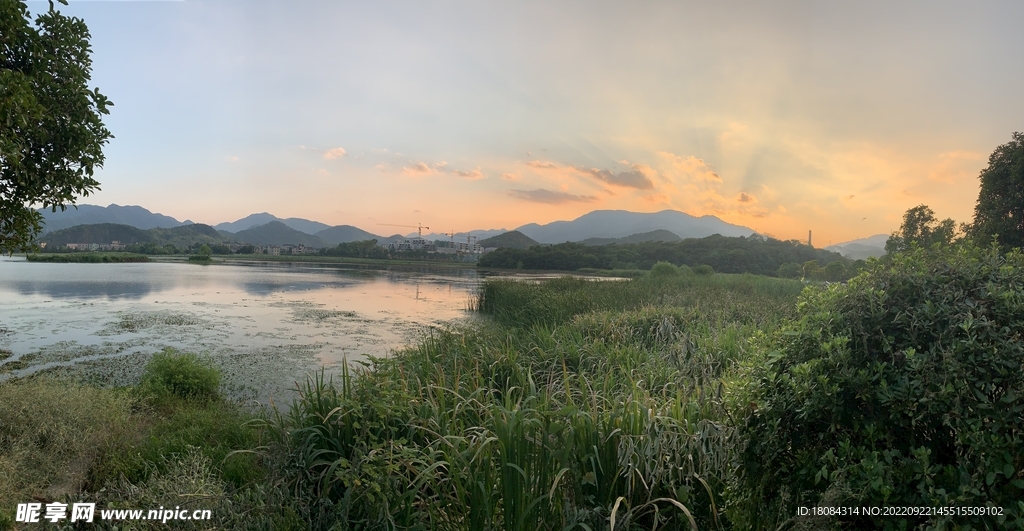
134	216
512	239
332	236
255	220
660	235
603	224
622	223
863	248
277	233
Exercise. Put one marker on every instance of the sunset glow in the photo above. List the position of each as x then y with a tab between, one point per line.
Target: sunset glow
827	116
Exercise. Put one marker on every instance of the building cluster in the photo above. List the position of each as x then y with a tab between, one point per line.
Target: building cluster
112	246
436	246
287	248
467	251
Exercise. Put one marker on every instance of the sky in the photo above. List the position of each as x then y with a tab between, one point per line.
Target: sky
781	116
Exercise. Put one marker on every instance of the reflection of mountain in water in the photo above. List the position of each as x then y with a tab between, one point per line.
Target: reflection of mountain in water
138	281
264	288
88	290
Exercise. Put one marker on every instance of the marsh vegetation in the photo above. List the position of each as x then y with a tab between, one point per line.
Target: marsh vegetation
673	401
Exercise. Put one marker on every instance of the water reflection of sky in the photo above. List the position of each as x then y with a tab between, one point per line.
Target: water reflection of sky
62	314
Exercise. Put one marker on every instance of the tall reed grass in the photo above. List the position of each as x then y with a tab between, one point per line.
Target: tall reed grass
587	405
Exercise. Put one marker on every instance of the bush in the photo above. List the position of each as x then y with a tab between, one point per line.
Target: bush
835	271
664	270
790	270
903	388
703	270
182	375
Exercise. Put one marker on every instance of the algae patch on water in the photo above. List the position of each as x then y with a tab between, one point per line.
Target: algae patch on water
247	374
130	322
317	315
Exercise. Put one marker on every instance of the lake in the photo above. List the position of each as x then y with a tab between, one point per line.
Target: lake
267	325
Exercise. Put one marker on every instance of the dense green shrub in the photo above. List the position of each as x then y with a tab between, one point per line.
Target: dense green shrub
182	375
754	254
790	270
904	388
703	269
664	270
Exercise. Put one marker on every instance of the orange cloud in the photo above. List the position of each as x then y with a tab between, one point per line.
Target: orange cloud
635	178
697	189
639	177
550	197
542	164
696	168
956	166
420	169
473	175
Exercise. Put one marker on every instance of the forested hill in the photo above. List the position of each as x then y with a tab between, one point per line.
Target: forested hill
513	239
753	254
181	237
660	235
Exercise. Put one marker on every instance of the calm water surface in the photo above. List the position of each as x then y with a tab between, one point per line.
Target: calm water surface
266	324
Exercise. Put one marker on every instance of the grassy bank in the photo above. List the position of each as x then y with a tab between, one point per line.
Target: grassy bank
169	441
91	258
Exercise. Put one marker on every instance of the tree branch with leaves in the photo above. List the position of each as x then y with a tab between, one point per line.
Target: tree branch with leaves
51	131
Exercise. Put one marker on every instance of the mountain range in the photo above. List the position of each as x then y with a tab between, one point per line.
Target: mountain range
620	223
862	249
597	226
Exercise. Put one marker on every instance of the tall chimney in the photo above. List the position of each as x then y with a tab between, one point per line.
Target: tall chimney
809	239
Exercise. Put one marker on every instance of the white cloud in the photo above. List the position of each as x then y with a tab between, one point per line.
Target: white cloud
334	153
419	169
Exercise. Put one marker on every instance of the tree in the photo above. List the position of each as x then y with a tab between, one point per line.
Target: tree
812	271
835	271
920	226
1000	208
51	132
790	270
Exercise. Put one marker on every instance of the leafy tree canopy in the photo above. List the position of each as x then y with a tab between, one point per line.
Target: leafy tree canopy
921	227
51	132
1000	208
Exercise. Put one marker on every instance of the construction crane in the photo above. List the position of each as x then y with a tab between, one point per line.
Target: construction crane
450	235
419	228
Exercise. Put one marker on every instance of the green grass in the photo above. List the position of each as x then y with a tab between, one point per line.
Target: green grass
50	435
91	258
583	399
172	440
514	303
